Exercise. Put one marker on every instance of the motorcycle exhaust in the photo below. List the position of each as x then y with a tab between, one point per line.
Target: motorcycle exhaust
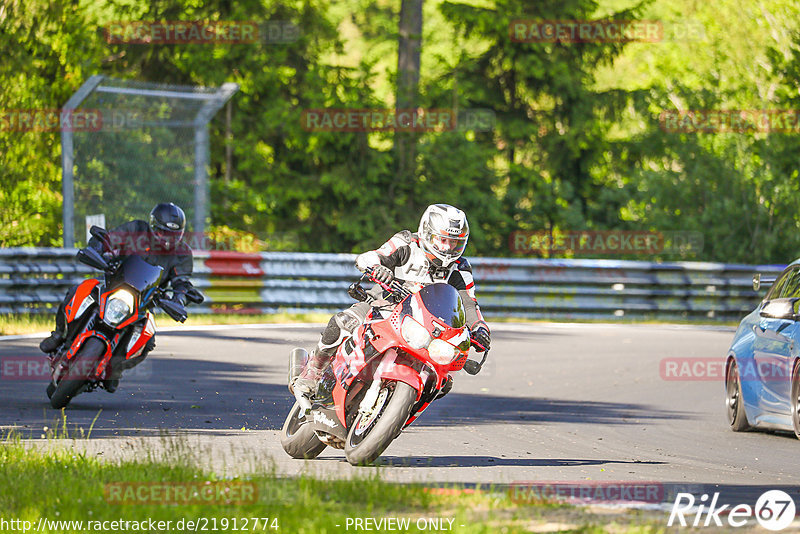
297	361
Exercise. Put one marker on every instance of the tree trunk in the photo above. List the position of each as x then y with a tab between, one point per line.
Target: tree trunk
408	63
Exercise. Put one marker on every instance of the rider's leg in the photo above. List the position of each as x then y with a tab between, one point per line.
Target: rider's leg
56	338
117	365
340	327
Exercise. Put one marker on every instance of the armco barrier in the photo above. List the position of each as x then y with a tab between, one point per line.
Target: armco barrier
34	280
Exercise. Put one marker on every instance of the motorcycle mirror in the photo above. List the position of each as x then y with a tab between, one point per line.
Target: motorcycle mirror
357	292
102	235
472	367
194	295
173	309
92	258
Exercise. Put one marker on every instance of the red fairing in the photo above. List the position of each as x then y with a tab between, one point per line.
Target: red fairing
383	339
84	290
145	336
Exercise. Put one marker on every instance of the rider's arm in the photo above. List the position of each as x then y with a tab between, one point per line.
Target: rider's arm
180	275
462	279
393	253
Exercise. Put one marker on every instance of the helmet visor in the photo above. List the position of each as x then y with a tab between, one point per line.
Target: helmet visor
170	238
451	247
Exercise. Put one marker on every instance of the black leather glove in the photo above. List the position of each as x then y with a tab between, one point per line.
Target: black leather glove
382	274
480	336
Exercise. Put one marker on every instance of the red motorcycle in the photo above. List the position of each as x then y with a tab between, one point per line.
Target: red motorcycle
108	319
384	376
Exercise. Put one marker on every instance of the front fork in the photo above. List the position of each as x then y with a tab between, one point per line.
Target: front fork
368	403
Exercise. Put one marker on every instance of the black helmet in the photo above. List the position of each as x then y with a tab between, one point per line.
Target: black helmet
168	223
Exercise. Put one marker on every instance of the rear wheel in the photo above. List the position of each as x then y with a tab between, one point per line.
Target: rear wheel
84	362
733	398
370	434
796	398
298	438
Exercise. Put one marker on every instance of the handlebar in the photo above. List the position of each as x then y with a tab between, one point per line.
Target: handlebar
396	288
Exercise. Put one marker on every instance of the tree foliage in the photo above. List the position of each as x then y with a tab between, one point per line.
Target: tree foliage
576	142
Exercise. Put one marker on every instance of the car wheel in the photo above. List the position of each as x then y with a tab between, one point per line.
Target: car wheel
796	398
733	398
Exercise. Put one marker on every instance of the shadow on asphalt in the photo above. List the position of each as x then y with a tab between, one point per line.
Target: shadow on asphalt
474	409
160	396
492	461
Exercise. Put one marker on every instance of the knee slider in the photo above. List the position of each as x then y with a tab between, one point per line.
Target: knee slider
347	321
332	332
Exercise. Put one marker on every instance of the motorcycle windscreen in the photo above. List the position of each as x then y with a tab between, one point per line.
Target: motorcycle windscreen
136	273
443	301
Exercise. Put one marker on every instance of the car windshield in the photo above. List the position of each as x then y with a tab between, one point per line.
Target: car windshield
444	302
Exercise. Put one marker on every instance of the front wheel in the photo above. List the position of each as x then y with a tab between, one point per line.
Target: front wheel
796	398
737	417
298	438
370	434
85	362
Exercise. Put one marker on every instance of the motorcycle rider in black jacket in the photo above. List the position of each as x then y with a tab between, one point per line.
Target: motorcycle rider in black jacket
159	243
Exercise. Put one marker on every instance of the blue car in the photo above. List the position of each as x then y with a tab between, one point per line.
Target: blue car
762	369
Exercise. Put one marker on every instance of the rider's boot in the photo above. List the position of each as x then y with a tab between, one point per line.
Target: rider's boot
56	338
306	382
339	328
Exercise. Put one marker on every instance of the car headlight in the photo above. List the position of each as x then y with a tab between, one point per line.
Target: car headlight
415	334
118	307
442	352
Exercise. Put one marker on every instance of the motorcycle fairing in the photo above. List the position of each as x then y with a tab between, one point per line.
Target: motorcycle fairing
84	290
148	330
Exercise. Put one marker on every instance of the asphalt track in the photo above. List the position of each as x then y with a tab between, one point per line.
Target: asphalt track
557	402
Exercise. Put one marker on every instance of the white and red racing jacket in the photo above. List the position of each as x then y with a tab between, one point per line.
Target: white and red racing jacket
403	253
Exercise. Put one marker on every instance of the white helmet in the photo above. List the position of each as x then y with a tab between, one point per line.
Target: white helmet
443	232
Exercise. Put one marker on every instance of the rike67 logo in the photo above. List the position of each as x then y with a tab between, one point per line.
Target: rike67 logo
774	510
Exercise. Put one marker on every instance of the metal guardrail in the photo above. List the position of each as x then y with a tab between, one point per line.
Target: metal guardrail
34	280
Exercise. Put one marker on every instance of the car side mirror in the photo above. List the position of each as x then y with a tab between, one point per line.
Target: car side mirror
92	258
759	281
780	309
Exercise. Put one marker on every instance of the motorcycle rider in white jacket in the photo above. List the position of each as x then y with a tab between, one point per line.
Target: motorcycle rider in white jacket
431	255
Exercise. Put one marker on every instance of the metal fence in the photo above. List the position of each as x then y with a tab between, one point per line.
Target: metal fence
35	280
151	135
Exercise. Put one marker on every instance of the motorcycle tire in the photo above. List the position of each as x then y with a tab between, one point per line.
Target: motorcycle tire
388	423
68	388
298	439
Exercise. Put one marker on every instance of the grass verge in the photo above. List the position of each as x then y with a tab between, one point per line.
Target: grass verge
56	489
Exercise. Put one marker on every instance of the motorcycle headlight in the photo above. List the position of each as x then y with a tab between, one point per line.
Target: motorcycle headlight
118	307
415	334
442	352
